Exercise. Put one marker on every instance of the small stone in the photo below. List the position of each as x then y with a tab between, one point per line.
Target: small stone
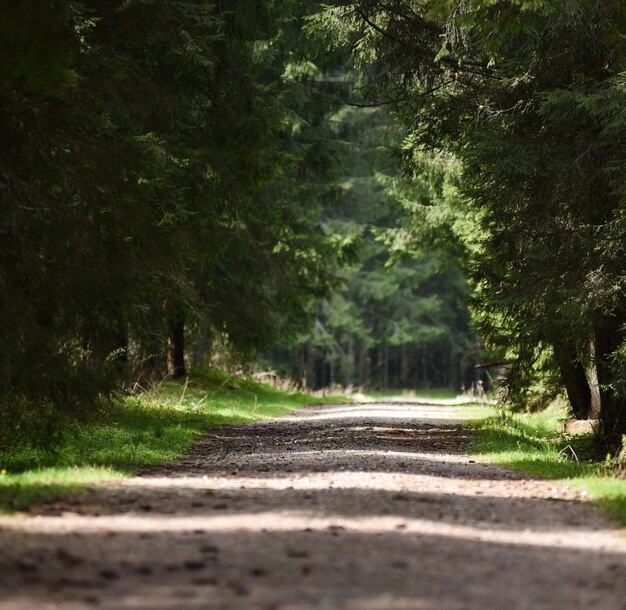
92	600
257	572
204	581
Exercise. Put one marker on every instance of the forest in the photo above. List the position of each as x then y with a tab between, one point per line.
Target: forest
381	194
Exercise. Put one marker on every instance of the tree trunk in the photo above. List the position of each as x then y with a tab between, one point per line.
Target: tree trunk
349	361
453	369
594	384
374	373
176	348
609	336
404	366
202	344
575	381
363	365
151	346
385	366
303	368
319	369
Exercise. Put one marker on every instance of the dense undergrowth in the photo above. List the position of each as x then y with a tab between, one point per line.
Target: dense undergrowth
155	427
532	443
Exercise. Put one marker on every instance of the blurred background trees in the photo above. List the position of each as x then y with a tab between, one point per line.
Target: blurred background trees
399	317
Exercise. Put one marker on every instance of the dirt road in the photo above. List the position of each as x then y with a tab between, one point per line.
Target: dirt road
360	507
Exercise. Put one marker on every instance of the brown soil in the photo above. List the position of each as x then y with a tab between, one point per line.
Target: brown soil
360	507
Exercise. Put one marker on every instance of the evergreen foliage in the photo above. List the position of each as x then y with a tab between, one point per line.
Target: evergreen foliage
399	317
144	144
529	97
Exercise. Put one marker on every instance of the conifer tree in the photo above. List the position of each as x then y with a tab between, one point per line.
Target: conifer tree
528	97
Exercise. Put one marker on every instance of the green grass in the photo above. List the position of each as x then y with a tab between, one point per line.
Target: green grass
473	411
532	444
156	427
21	490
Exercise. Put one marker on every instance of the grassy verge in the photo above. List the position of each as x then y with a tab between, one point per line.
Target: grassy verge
532	444
156	427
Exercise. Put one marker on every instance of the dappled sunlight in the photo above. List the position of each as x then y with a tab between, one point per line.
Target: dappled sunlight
293	521
344	480
443	413
458	400
418	456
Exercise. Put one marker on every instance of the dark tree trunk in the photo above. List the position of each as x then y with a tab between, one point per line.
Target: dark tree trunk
176	348
349	363
319	369
303	367
404	366
575	381
453	369
609	336
151	346
202	344
373	374
363	365
385	366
